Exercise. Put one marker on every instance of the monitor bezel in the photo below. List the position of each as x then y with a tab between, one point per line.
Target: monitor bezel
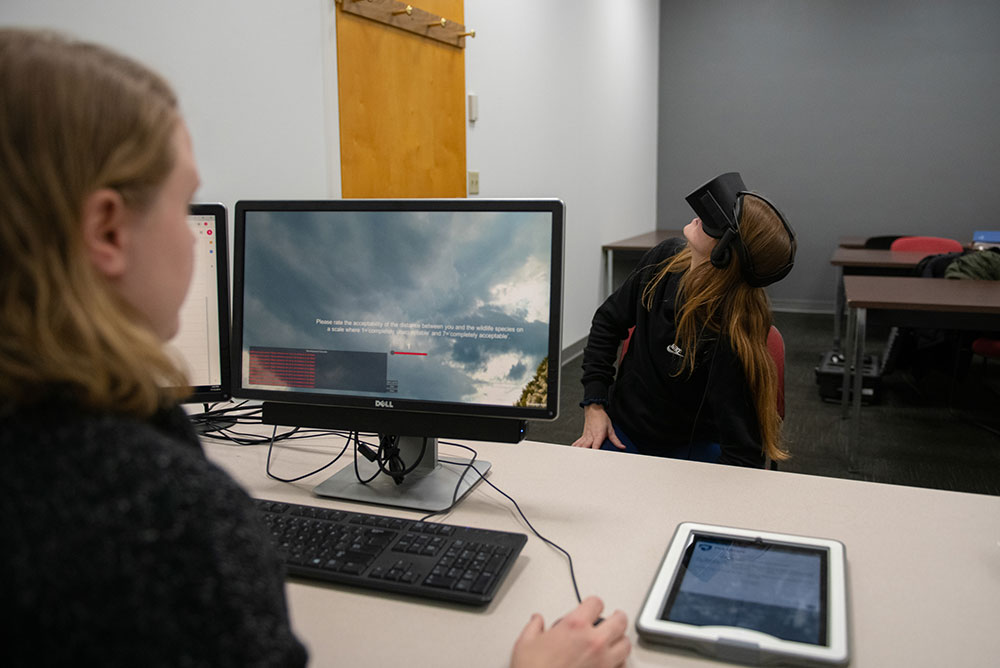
554	207
223	391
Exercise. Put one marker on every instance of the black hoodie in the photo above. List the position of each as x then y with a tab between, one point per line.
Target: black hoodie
648	400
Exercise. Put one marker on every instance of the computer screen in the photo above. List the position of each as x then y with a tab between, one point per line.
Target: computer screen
416	319
201	345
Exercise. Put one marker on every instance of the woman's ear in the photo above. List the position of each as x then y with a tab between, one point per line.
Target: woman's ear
105	231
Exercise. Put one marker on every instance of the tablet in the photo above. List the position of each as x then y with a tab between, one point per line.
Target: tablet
750	596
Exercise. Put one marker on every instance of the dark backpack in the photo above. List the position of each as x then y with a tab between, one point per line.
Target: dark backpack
934	266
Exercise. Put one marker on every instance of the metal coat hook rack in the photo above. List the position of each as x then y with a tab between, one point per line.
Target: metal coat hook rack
412	19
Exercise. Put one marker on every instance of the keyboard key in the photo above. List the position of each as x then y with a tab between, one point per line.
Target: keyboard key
482	584
442	581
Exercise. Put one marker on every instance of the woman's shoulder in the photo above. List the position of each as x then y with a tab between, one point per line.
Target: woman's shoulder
175	533
659	254
98	455
669	247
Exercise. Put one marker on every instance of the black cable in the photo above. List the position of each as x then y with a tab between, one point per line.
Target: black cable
458	485
471	465
210	412
386	457
357	445
304	475
572	572
356	437
240	438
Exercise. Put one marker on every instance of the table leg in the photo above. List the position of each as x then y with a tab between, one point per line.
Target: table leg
609	272
846	363
838	309
859	374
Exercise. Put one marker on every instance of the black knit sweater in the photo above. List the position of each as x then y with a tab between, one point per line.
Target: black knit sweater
124	546
654	407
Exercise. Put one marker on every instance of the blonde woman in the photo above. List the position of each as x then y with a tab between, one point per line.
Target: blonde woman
124	545
697	381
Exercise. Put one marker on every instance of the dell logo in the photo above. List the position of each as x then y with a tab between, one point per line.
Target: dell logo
380	403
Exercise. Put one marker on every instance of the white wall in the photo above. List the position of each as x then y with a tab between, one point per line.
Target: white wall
249	73
567	109
567	103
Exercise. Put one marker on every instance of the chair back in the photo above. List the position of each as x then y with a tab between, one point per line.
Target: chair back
776	346
625	343
986	347
927	245
881	242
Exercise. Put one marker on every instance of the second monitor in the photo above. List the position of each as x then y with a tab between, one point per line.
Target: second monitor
413	319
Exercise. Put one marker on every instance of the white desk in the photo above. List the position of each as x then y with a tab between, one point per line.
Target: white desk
923	565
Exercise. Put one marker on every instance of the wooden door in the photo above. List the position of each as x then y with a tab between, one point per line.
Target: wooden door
402	108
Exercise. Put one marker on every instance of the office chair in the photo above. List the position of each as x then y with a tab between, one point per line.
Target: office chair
628	338
776	346
881	242
927	245
937	258
987	348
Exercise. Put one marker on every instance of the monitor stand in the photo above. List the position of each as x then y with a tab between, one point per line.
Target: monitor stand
430	487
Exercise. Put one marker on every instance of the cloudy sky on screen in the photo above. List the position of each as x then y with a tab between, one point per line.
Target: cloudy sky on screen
438	268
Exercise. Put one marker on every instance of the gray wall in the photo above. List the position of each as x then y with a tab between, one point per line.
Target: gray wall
856	117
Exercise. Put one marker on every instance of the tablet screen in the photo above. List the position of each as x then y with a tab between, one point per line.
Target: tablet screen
768	587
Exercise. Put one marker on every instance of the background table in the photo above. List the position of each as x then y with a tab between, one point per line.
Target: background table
867	262
923	565
636	245
852	241
907	301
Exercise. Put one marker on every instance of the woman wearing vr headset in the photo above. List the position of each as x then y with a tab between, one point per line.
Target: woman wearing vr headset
697	381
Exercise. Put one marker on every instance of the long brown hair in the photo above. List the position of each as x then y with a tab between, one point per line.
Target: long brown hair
717	301
75	118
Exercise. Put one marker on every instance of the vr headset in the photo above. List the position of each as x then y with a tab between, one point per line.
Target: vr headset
719	204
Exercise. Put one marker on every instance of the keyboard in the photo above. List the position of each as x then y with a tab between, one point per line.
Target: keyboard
425	559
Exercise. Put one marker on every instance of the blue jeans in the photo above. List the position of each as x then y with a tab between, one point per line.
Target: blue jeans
697	452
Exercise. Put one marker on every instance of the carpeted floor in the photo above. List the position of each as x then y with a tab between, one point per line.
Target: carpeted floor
923	432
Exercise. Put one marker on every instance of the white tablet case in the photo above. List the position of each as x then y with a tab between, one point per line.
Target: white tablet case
746	645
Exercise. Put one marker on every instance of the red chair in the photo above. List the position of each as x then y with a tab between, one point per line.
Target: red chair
927	245
776	346
930	246
625	345
882	242
987	348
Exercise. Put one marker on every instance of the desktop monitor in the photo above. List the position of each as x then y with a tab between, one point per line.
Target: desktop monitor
411	319
201	345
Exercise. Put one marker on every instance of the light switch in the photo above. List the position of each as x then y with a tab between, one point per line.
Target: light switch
473	107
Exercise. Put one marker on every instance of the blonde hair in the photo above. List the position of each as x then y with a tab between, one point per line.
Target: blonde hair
75	118
719	302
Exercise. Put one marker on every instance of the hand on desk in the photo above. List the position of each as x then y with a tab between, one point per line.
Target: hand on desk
596	429
574	640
